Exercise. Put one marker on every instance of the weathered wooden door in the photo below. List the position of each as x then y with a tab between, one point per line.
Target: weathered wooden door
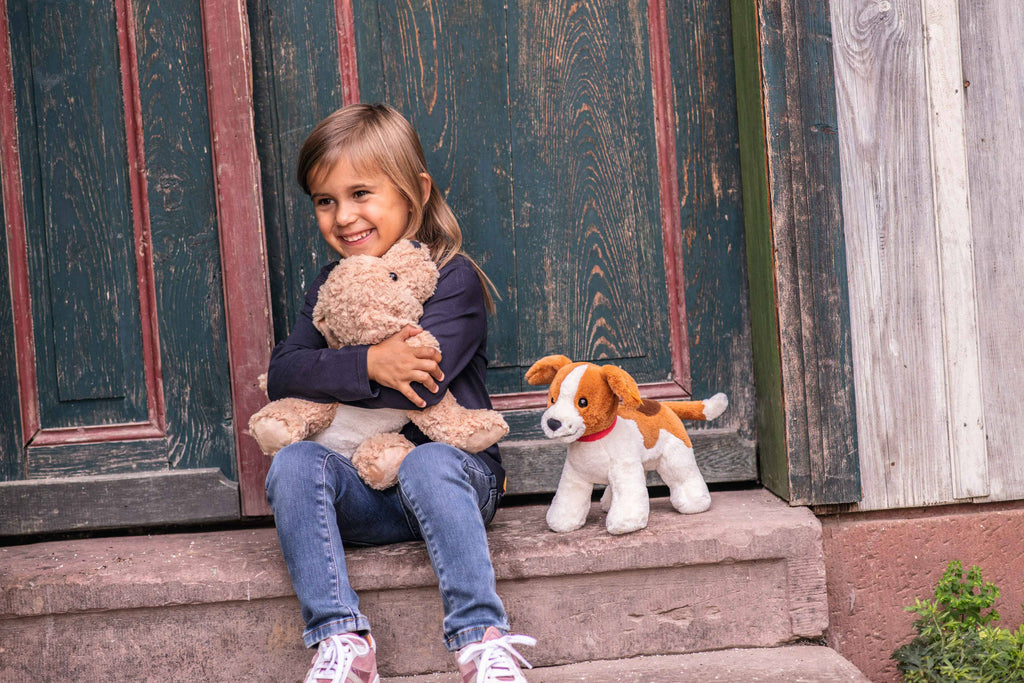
589	150
119	385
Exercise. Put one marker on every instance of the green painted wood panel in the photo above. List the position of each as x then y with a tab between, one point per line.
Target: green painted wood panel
78	213
296	84
100	236
186	247
444	66
771	427
590	270
711	207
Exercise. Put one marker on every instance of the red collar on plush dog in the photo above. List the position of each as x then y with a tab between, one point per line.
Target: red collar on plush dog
601	434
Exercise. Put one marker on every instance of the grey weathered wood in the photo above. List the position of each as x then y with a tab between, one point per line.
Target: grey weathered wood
110	457
116	501
895	301
994	109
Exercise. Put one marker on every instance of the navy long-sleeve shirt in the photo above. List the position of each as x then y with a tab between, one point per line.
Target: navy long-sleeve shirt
303	366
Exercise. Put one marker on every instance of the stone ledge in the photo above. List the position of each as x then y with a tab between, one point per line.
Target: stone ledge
792	664
747	573
175	569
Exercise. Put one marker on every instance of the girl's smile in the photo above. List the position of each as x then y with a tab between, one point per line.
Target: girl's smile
360	212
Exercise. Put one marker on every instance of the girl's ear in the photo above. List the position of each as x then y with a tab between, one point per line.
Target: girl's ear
425	184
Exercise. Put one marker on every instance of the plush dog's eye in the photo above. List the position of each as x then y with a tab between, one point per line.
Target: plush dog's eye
582	403
393	276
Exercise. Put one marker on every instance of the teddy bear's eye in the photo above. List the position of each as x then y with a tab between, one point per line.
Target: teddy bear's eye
582	403
393	276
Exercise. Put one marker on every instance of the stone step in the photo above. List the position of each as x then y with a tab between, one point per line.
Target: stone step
786	664
747	573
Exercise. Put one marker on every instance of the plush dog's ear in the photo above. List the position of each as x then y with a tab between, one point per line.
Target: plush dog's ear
622	385
544	370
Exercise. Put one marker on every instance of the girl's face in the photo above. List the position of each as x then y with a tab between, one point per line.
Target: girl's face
360	213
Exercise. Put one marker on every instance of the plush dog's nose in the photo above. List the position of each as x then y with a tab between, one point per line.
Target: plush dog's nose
553	424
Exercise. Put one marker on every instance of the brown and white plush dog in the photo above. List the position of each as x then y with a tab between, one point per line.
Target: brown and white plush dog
614	437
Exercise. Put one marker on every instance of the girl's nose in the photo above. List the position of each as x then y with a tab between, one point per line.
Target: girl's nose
344	214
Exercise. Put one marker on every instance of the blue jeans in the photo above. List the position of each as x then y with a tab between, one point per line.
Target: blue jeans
443	496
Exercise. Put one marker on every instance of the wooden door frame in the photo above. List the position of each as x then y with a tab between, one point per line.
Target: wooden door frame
242	235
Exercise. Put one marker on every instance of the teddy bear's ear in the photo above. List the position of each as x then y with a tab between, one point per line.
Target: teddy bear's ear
413	268
320	323
622	385
544	370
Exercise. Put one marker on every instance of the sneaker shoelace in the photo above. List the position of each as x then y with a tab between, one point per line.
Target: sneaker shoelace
335	657
497	658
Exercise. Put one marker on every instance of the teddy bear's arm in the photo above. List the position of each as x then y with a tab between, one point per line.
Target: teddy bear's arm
450	423
422	339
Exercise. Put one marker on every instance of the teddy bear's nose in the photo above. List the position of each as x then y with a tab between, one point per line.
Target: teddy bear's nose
553	424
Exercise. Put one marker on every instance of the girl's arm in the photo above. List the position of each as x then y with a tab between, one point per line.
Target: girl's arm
303	366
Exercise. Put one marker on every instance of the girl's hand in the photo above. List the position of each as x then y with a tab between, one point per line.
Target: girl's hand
395	364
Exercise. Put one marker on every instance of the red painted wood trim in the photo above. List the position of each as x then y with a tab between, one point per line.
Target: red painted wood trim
347	65
140	216
97	433
17	246
671	222
241	228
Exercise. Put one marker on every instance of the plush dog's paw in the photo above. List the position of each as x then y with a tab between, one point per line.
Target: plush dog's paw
606	498
624	525
563	523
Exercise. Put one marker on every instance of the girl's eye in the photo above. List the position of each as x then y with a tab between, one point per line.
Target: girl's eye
582	403
322	201
393	276
359	194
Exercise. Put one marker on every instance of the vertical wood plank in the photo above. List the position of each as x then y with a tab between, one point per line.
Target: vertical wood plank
967	446
748	37
994	111
240	223
894	276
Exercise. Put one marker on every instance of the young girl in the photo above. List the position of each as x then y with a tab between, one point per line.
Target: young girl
363	166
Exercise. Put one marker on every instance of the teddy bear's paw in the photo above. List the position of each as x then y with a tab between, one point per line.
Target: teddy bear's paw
378	458
272	434
492	429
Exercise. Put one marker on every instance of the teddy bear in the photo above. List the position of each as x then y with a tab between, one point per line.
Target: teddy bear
365	300
614	437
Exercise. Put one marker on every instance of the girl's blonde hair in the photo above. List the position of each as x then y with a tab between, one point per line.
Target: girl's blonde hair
376	137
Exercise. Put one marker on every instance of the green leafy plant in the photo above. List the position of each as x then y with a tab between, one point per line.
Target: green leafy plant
956	639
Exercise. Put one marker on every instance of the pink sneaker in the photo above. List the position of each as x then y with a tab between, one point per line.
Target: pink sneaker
493	659
345	658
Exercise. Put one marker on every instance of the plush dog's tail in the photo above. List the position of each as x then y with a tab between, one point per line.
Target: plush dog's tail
708	409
